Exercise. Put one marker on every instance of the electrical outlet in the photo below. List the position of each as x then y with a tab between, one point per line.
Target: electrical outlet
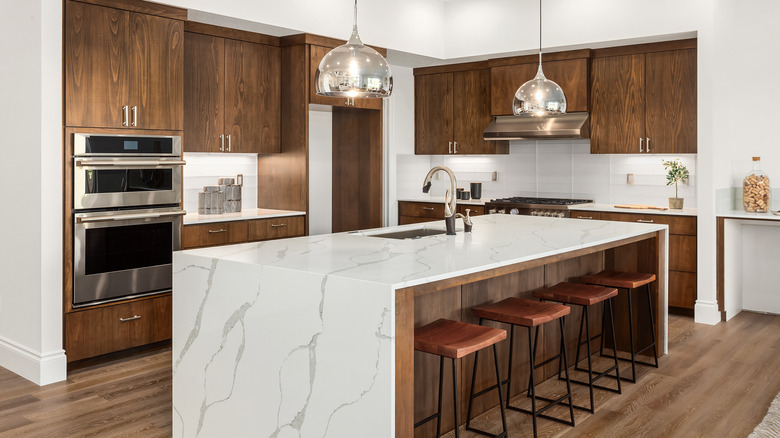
630	179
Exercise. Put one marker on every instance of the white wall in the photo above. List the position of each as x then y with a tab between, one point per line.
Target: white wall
31	173
399	120
320	172
205	169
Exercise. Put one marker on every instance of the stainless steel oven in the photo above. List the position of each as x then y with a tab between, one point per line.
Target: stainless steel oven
123	254
111	171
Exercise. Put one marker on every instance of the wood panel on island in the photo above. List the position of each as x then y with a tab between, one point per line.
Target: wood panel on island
643	98
452	109
240	231
411	212
682	253
123	67
233	91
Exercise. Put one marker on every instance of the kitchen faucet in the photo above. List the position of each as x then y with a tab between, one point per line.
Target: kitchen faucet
449	200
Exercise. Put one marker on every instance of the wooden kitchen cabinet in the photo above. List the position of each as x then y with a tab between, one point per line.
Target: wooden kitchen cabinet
275	228
411	212
96	331
682	253
645	101
123	69
233	98
567	69
452	109
241	231
316	53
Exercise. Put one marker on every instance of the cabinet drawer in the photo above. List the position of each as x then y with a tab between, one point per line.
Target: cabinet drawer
276	228
476	210
684	225
422	209
102	330
682	289
592	215
218	233
682	253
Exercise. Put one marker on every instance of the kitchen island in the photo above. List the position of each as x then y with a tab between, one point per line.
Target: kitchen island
312	336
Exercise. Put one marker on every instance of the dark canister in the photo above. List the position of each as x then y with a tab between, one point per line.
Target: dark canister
464	195
476	190
458	192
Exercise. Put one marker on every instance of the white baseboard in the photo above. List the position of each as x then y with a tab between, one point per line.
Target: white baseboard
706	312
39	368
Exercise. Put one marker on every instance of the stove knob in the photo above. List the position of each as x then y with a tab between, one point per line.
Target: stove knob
514	211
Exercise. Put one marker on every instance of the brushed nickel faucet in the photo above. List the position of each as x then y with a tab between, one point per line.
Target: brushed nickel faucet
450	212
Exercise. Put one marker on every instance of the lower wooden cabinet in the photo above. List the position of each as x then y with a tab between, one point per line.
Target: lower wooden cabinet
241	231
102	330
411	212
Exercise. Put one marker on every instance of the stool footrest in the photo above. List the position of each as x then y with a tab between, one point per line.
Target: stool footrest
539	412
596	374
482	432
541	364
489	388
425	420
604	388
628	359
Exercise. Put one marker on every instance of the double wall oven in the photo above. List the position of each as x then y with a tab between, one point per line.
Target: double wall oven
127	215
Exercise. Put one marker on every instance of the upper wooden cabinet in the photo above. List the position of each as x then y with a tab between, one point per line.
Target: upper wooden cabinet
644	102
567	69
233	95
316	53
451	110
122	69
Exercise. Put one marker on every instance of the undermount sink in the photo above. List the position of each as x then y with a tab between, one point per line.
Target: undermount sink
416	233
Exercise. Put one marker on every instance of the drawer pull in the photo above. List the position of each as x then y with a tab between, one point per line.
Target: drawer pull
278	225
584	217
132	318
221	230
428	208
646	221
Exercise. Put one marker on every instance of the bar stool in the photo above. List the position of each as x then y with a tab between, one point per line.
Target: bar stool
456	339
586	295
529	314
629	281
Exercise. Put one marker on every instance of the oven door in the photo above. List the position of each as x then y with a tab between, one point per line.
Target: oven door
109	182
124	254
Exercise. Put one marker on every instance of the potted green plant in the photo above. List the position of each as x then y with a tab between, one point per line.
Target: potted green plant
675	172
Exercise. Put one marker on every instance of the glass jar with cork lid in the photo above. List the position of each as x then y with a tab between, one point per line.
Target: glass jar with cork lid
756	191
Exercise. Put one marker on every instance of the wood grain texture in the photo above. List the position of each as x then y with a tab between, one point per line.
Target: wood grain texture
587	215
455	339
234	34
451	68
157	71
682	289
471	112
617	119
218	233
433	114
682	225
645	48
521	311
627	280
404	363
682	253
546	57
93	332
275	228
575	293
252	97
670	101
143	7
204	96
97	75
318	40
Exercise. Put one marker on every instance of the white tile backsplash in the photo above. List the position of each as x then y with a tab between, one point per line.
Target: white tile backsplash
204	169
556	168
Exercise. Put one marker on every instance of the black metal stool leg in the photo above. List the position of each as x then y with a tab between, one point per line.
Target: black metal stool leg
590	364
500	395
614	342
509	370
471	392
652	324
531	382
631	337
532	390
441	385
455	395
566	370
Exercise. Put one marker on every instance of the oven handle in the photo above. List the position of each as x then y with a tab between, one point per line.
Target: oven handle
128	163
122	217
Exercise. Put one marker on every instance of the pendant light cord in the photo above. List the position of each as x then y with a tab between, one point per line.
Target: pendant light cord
354	20
540	31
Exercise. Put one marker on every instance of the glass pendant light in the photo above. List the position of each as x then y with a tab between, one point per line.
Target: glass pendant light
353	70
539	96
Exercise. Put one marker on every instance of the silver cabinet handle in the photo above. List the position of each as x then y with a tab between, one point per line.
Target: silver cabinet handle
640	144
125	116
145	164
222	142
135	116
125	217
456	147
132	318
646	221
647	145
450	147
221	230
278	225
584	217
229	143
428	208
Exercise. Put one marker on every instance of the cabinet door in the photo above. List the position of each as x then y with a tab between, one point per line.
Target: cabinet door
471	110
212	234
96	65
670	101
204	96
156	65
570	74
682	289
252	97
433	117
276	228
617	120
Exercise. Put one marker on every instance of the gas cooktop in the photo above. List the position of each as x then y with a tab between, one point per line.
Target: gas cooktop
540	201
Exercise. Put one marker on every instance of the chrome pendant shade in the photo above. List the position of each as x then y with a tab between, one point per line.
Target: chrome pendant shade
354	70
539	96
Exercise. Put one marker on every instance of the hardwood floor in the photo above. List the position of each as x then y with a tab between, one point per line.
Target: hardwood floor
717	381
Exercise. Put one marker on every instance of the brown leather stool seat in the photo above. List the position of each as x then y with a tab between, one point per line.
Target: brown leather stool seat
530	314
630	281
587	295
456	339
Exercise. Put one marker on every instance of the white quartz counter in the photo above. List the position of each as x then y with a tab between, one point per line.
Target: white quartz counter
440	200
254	213
742	214
610	208
296	337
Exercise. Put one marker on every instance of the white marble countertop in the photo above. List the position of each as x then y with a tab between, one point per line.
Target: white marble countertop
610	208
497	240
254	213
742	214
440	199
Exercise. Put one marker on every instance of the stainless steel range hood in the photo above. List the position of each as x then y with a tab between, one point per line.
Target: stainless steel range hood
569	125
